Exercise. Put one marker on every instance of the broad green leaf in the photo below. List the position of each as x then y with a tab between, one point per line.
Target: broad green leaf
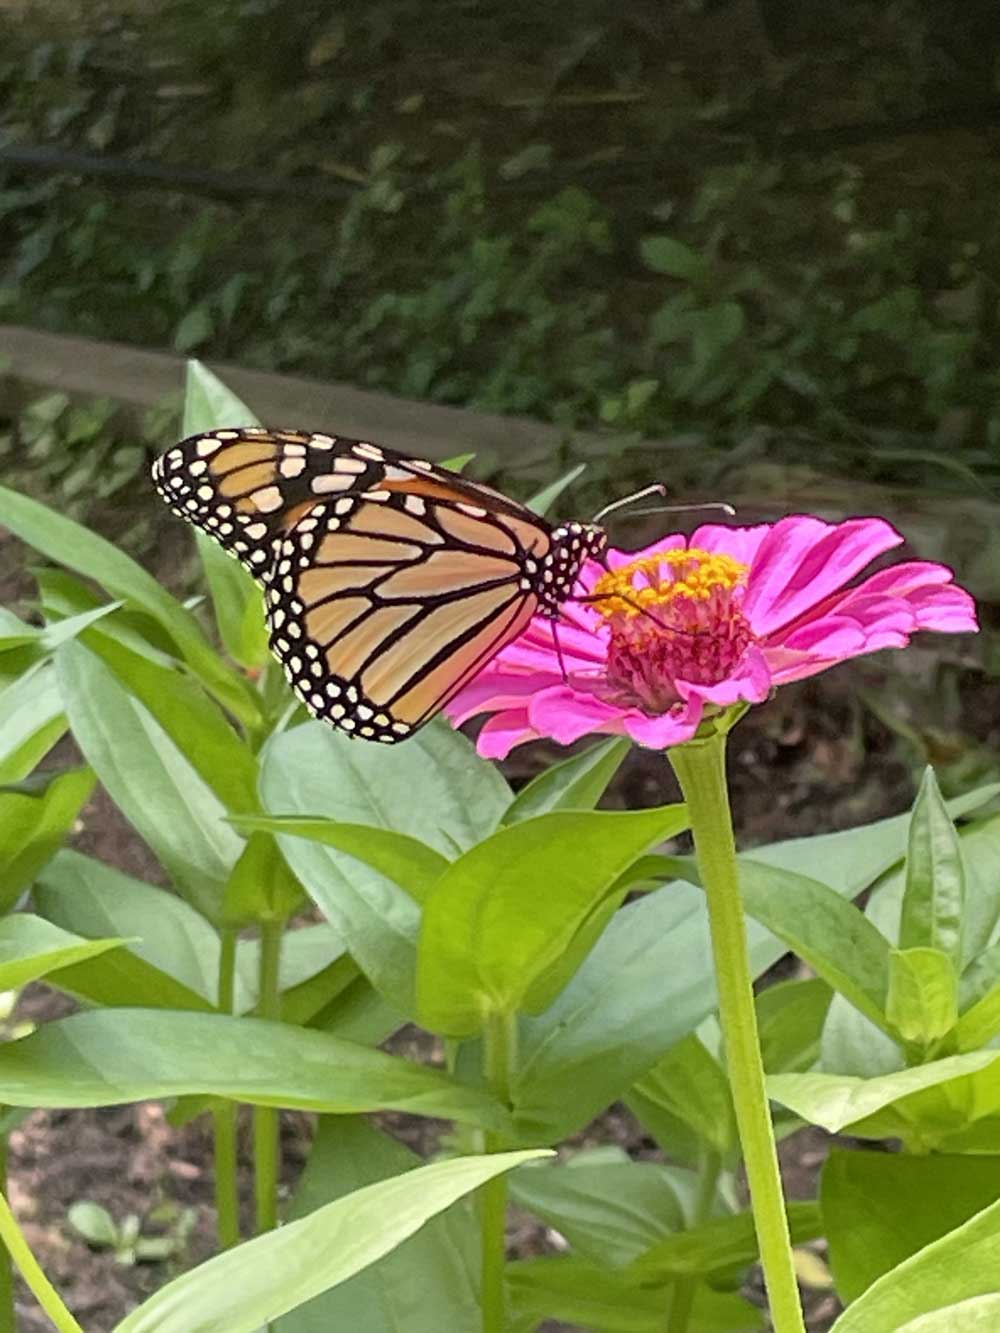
881	1208
790	1018
429	1284
961	1265
172	956
33	825
405	860
63	597
502	915
829	933
720	1246
929	1106
264	1278
151	781
588	1295
980	1023
979	1314
261	886
62	540
173	959
922	1001
359	1014
855	858
577	783
434	788
238	603
192	720
934	894
609	1212
638	992
691	1086
31	721
542	501
980	842
31	947
107	1056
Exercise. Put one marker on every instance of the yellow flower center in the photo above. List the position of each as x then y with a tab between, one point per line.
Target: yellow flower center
660	580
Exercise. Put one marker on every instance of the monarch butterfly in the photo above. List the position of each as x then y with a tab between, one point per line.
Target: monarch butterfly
389	582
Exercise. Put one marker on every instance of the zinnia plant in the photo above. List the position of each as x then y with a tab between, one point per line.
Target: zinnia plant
669	645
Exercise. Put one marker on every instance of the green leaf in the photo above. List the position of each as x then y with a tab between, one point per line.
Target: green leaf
429	1284
723	1245
979	1314
94	1223
209	404
610	1212
790	1018
33	826
405	860
980	844
961	1265
107	1056
922	1003
542	501
665	255
62	540
980	1023
690	1085
577	783
172	957
935	877
192	720
261	886
881	1208
31	948
926	1106
646	984
266	1277
31	721
855	858
591	1296
313	772
504	913
151	781
830	934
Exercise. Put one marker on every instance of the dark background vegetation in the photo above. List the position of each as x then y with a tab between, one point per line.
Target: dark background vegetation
751	244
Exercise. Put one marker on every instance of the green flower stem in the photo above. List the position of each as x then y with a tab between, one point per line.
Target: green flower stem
265	1118
227	1199
700	766
499	1063
41	1288
8	1318
682	1304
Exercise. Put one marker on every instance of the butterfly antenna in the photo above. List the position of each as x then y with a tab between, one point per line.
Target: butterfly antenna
558	647
658	488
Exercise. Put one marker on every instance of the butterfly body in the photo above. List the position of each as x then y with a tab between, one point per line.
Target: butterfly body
389	582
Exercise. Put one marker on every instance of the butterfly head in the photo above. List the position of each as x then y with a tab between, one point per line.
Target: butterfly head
572	544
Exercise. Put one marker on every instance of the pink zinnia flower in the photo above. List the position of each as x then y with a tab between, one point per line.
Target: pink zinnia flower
684	627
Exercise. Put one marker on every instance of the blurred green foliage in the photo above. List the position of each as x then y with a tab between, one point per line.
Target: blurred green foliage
652	222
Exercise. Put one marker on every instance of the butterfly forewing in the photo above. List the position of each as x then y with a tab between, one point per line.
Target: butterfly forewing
390	582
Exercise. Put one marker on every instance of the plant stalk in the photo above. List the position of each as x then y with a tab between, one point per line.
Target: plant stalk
499	1063
265	1118
224	1116
700	766
41	1288
682	1304
8	1316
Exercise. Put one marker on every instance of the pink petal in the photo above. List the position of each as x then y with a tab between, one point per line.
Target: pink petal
503	731
491	691
566	714
803	560
657	732
740	543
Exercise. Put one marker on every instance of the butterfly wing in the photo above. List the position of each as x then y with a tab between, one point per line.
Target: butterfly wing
390	582
382	605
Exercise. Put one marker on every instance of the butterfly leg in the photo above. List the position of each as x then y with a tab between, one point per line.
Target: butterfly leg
554	620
